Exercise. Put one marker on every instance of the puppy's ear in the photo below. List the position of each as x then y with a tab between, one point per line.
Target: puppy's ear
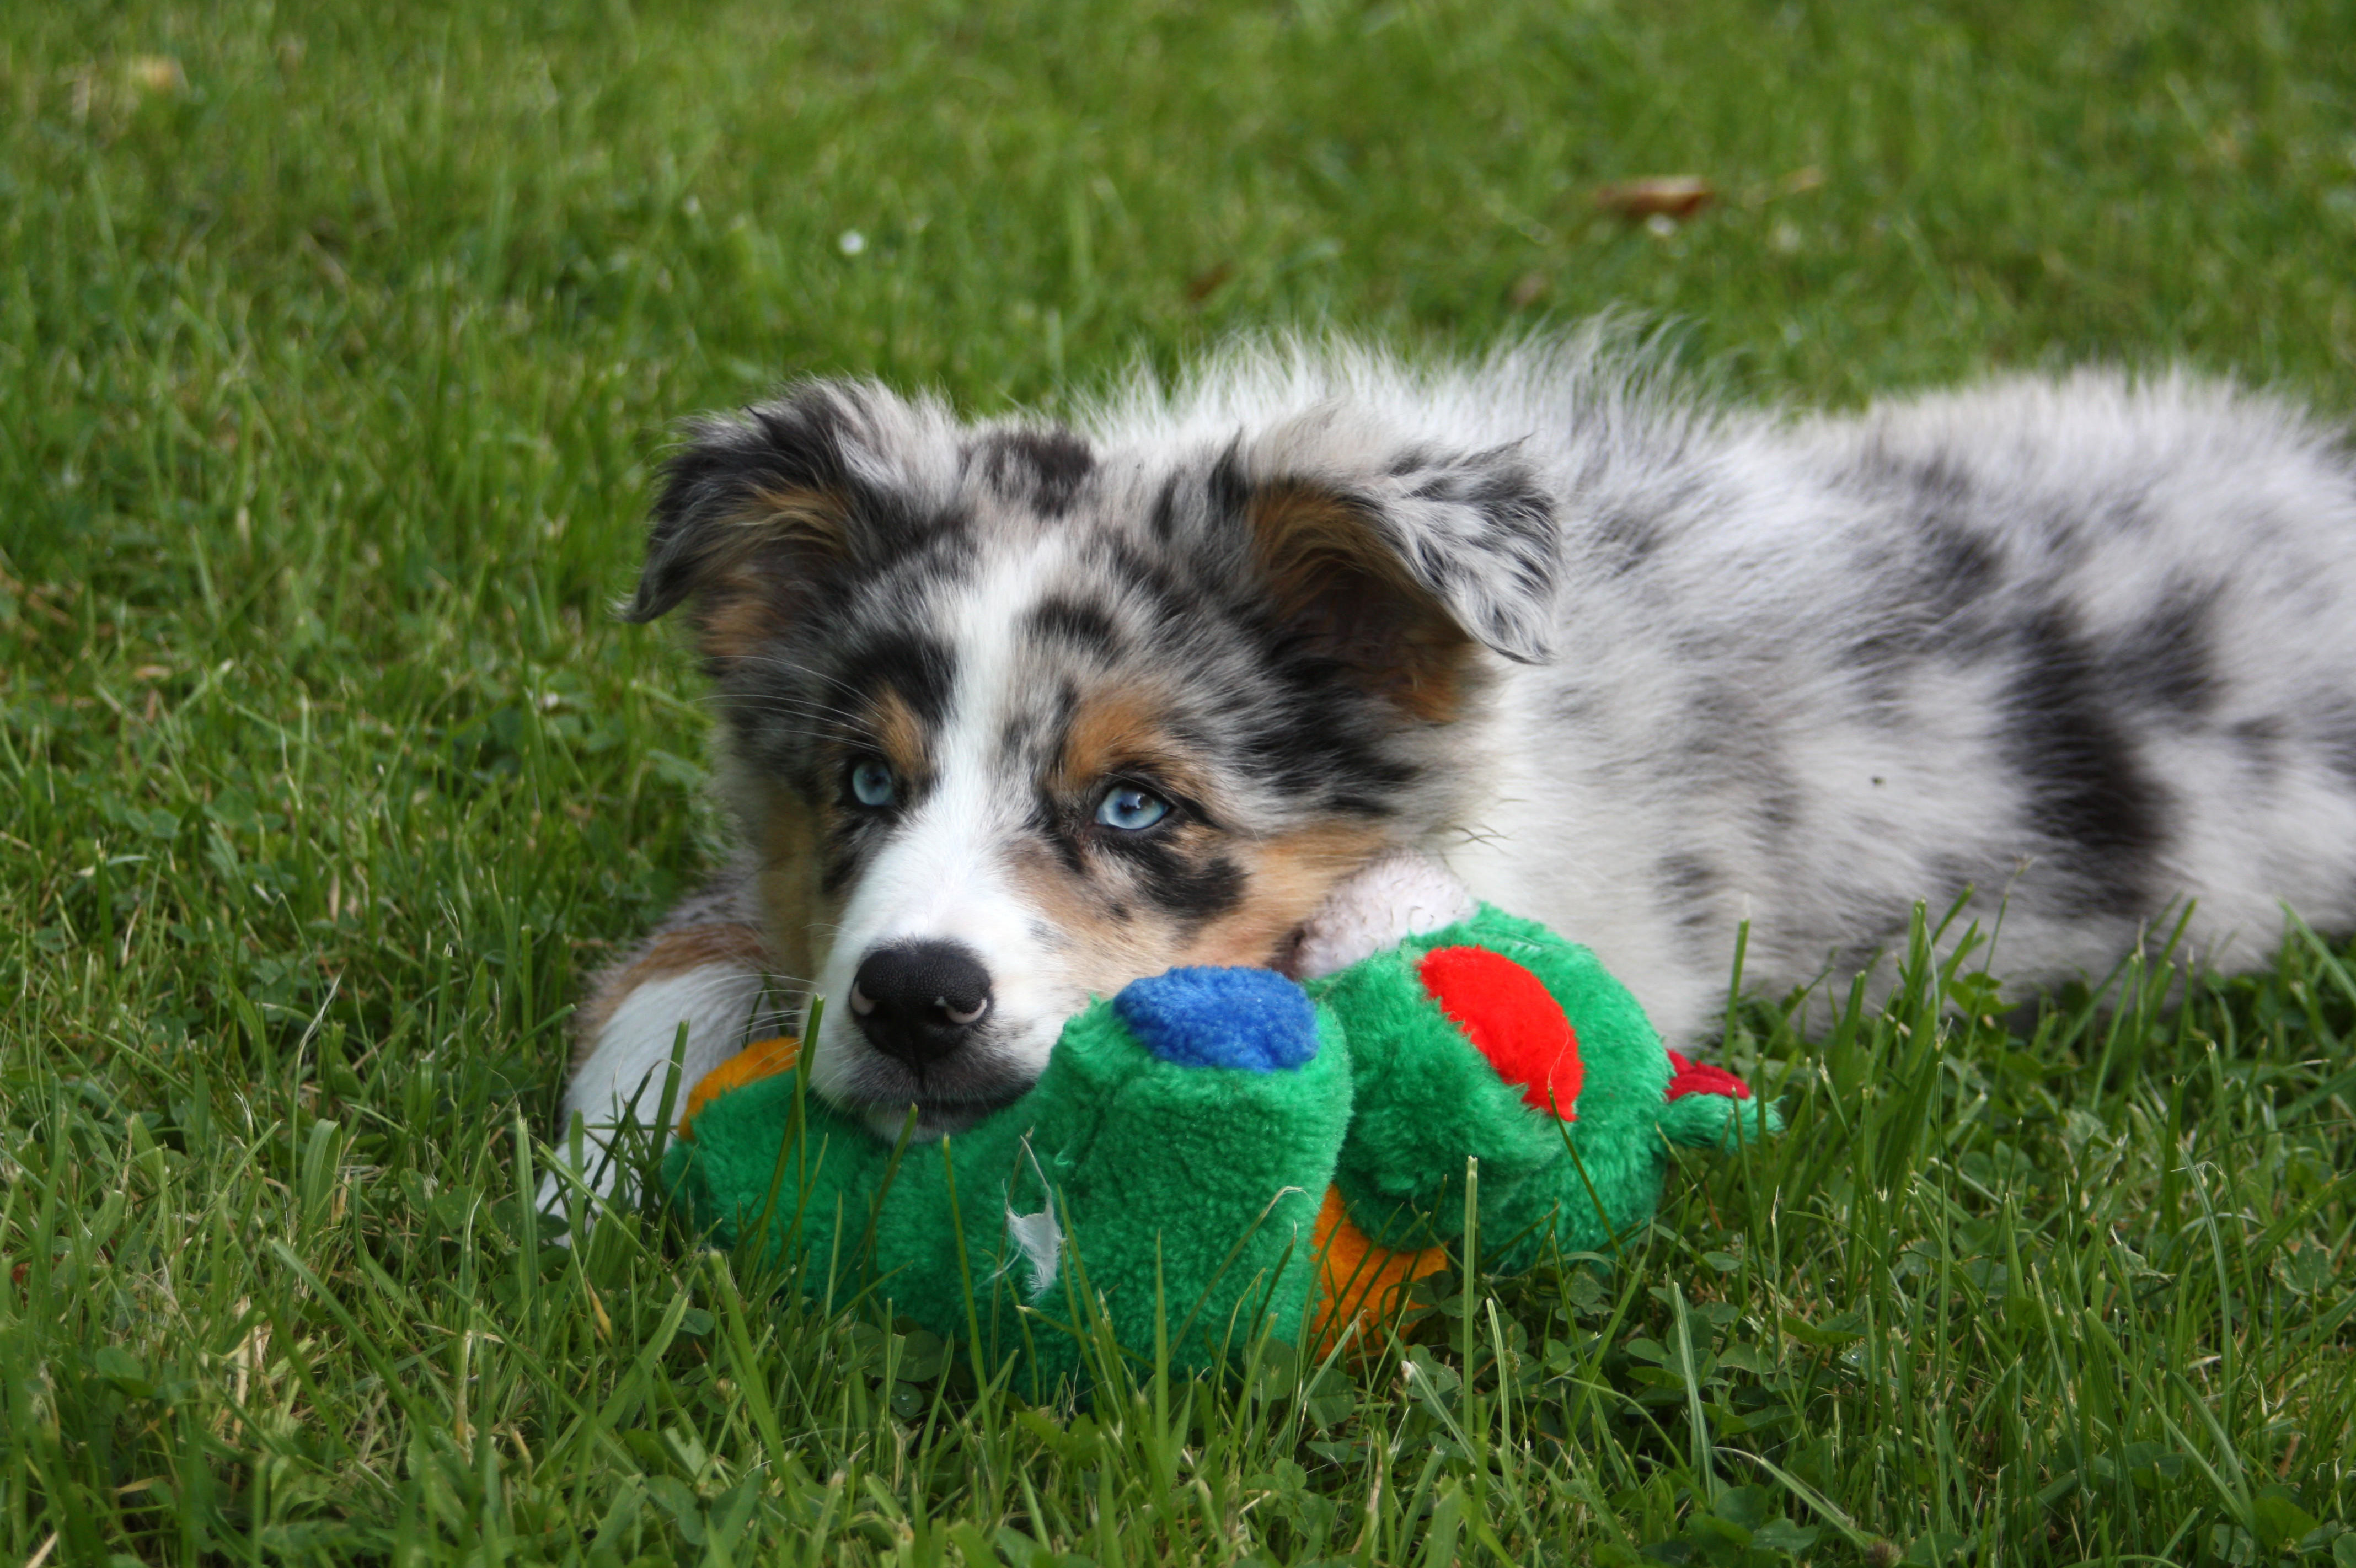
1395	569
761	510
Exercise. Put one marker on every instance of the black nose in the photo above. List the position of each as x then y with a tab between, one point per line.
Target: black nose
920	1001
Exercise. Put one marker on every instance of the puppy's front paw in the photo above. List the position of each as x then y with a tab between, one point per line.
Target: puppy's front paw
1254	1020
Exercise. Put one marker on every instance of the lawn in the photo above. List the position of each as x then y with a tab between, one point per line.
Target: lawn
336	345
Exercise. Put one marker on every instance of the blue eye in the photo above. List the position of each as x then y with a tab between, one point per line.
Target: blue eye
1131	809
872	785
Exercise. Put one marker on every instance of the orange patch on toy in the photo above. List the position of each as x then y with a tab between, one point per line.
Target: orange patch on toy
1511	1018
1359	1283
762	1058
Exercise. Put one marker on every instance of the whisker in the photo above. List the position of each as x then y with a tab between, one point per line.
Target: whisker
779	704
794	666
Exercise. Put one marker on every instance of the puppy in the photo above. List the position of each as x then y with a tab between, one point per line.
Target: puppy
1013	712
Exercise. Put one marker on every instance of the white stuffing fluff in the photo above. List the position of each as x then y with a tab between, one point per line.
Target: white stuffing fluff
1038	1238
1040	1242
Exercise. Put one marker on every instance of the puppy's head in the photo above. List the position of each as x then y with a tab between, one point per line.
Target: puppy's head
1013	719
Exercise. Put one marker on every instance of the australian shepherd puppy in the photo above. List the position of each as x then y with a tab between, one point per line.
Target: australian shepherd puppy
1015	711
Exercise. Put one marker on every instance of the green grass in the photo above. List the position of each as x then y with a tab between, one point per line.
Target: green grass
332	361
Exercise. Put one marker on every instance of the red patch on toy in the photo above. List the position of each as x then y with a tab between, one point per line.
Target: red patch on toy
1701	1078
1505	1011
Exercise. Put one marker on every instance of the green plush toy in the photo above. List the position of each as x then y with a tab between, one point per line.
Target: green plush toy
1213	1152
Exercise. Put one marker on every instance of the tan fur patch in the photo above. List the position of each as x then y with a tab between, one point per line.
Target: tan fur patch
738	605
818	517
1104	952
1345	588
792	860
670	953
736	614
1301	529
1287	877
1114	936
1116	728
899	734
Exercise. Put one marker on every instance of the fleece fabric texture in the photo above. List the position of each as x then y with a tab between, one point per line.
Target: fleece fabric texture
1253	1019
1424	1099
1167	1174
1512	1020
1183	1197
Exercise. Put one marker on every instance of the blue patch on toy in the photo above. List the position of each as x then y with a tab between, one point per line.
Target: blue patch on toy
1250	1019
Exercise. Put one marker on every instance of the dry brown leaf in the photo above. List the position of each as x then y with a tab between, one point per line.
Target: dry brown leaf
1657	196
1206	283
